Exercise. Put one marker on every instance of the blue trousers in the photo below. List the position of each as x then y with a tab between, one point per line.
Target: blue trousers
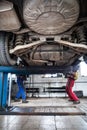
21	92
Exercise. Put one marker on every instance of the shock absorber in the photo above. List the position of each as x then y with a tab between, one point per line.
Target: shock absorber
19	40
81	35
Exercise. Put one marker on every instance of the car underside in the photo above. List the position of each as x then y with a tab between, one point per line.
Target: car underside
43	32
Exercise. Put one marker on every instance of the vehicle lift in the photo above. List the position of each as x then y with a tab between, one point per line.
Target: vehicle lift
5	87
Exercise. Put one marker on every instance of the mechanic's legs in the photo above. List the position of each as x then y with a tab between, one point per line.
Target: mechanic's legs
70	91
67	90
73	95
18	95
23	93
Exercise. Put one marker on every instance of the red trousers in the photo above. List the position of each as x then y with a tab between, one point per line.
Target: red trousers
69	87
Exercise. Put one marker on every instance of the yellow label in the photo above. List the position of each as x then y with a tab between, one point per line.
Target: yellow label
76	76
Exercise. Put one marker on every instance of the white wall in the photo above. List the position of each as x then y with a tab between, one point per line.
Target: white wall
80	84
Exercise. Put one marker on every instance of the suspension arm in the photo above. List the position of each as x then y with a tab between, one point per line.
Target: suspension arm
80	48
22	48
75	46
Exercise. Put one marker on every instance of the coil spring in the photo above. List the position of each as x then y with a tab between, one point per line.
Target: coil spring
19	40
81	35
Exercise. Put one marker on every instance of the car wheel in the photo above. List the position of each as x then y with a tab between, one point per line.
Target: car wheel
5	58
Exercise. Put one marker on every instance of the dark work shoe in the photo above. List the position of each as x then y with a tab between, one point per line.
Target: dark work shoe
16	100
24	101
76	102
70	100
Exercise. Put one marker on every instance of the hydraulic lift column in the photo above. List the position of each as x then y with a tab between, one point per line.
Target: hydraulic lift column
3	89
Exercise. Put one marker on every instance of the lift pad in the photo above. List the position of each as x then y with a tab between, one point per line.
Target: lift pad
46	110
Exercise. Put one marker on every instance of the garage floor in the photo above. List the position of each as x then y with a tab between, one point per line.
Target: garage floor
69	122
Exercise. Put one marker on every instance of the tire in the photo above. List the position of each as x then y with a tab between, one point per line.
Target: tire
5	59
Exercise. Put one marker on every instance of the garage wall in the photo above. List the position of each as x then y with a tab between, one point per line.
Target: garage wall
81	84
40	81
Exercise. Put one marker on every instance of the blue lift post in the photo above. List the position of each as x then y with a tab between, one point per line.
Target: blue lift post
3	89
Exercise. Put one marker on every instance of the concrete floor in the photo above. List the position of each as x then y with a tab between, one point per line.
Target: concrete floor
46	122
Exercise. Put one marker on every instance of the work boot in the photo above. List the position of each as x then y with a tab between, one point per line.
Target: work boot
70	100
24	101
76	102
16	100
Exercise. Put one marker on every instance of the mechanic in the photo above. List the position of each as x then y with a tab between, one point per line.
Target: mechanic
21	90
69	86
